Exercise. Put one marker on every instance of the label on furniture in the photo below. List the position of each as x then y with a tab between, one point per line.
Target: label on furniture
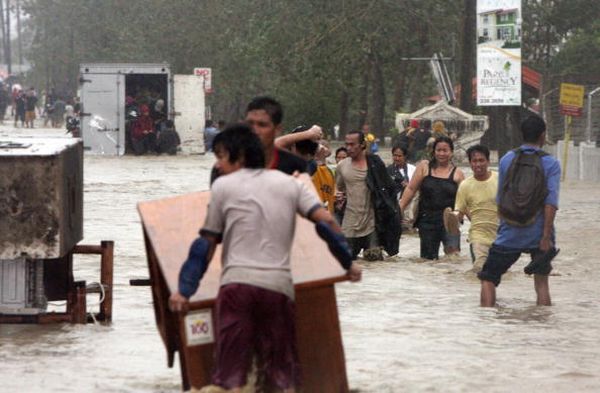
199	328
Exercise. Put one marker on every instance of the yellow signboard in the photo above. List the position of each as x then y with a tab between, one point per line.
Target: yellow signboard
571	95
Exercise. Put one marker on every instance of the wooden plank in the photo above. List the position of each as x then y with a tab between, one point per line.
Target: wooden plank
79	305
106	279
319	341
87	249
166	321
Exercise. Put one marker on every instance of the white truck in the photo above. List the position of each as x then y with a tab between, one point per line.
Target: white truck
103	91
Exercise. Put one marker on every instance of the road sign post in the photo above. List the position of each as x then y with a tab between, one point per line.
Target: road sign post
571	104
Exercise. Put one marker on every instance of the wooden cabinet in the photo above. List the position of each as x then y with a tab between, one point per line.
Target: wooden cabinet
170	225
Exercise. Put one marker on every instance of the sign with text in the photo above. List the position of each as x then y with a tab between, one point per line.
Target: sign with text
207	74
499	52
571	99
199	328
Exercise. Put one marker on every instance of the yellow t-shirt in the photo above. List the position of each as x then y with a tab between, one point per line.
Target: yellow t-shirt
478	200
325	184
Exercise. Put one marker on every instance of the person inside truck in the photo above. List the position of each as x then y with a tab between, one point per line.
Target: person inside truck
143	136
131	115
168	138
157	112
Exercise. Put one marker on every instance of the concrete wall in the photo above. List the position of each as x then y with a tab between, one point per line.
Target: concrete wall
583	161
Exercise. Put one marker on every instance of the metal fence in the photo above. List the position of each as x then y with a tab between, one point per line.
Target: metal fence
585	128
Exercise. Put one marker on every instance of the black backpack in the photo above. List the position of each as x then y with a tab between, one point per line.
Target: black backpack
523	190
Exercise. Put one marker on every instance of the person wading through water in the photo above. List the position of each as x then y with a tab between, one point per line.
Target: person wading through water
437	180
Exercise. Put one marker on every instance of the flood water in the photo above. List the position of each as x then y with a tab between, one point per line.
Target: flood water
409	326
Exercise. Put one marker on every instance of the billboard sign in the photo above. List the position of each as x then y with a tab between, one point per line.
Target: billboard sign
499	52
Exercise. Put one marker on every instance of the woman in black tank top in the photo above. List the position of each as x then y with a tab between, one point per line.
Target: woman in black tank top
437	180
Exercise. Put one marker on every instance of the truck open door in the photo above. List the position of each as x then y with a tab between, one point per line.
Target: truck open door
102	117
188	112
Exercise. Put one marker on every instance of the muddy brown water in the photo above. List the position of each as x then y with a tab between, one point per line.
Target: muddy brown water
410	326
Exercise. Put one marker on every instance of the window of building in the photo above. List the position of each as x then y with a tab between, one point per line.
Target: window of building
504	33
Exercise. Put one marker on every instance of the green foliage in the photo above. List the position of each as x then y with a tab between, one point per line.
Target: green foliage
305	53
581	53
511	44
549	24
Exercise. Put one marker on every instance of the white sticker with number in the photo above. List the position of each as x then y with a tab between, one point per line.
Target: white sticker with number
199	328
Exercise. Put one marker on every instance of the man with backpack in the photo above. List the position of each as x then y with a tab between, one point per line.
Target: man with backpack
528	188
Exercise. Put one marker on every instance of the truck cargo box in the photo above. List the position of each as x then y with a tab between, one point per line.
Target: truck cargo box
105	87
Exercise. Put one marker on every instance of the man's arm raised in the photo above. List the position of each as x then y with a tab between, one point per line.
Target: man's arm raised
314	133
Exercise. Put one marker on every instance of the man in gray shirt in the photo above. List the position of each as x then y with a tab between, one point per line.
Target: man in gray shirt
351	182
253	211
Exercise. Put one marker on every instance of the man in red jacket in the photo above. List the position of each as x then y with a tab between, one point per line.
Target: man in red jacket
143	137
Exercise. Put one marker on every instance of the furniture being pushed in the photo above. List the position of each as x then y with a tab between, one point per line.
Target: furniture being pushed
170	225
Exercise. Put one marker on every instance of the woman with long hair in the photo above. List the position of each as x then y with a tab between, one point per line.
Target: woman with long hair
437	180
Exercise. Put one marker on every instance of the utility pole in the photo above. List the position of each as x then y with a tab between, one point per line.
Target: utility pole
3	28
19	42
468	56
7	41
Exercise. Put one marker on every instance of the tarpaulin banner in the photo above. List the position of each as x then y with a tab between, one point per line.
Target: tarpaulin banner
499	52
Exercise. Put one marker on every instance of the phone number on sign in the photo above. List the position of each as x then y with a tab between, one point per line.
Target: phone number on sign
491	100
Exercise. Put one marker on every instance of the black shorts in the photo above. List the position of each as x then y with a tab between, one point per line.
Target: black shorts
362	243
501	258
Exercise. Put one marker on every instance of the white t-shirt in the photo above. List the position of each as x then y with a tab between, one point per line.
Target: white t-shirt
255	212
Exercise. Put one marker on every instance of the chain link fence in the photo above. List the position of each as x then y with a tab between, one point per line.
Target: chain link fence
585	128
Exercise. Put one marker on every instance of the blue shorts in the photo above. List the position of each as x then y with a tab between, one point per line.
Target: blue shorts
501	258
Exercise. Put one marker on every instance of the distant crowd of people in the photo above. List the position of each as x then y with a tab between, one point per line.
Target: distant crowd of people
361	207
26	105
